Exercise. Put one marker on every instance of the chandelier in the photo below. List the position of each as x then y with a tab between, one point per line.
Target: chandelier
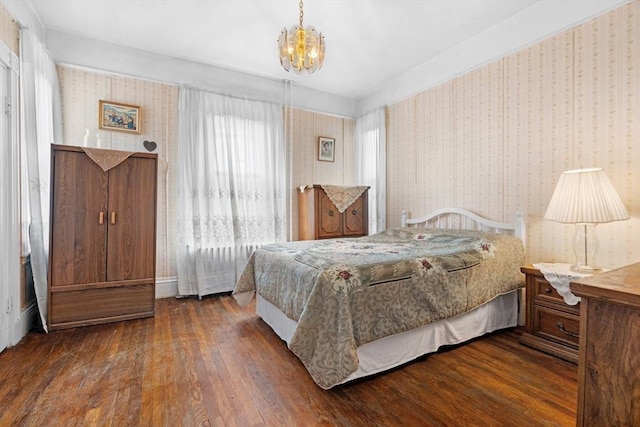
301	49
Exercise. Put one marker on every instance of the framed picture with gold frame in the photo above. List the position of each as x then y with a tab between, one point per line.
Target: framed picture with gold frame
326	149
119	117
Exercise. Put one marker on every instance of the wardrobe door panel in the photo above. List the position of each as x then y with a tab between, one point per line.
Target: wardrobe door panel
132	220
78	230
356	217
329	220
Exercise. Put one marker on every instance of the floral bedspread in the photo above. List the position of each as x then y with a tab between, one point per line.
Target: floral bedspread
346	292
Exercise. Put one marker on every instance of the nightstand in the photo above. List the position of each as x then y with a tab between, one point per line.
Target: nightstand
551	325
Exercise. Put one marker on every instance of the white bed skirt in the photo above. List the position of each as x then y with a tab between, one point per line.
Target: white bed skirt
395	350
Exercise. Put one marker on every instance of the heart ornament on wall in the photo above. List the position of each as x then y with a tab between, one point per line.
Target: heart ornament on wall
150	145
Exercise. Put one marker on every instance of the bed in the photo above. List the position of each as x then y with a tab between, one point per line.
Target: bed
349	308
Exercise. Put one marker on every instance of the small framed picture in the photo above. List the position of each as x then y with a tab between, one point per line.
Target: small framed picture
119	117
326	149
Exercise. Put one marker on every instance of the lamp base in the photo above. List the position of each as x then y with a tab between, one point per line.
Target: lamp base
585	248
585	269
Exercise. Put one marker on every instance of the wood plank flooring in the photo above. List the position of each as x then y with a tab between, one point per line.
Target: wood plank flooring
210	362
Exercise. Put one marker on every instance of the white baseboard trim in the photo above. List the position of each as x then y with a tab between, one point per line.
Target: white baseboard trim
24	323
166	287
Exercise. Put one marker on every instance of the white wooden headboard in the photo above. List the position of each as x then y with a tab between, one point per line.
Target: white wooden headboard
462	219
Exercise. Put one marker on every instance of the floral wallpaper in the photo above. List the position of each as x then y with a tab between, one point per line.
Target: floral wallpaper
9	31
496	139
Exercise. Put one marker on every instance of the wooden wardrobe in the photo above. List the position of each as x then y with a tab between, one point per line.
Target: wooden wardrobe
320	219
102	238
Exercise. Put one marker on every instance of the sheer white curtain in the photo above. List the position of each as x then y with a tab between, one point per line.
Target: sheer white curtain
41	126
232	187
371	164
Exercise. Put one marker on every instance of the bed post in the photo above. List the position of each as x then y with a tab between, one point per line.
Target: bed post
403	218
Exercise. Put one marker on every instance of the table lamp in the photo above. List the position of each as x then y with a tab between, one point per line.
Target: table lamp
585	197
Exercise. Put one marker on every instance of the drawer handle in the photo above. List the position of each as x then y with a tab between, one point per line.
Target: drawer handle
330	213
547	290
564	331
354	212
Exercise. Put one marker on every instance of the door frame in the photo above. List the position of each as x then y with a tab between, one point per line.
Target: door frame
5	209
10	264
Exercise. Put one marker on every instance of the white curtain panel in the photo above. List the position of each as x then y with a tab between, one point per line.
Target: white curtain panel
232	195
41	126
371	164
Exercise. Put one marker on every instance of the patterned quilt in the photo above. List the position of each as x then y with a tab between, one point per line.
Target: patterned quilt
346	292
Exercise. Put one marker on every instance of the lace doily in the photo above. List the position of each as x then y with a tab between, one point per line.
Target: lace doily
559	276
343	197
107	159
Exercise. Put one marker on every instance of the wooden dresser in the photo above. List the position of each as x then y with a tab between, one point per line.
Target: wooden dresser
609	366
320	219
102	239
551	325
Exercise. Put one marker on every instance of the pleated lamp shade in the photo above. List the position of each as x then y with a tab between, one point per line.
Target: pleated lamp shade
585	196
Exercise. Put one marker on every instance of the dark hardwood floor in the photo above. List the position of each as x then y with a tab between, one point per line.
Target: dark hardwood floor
210	362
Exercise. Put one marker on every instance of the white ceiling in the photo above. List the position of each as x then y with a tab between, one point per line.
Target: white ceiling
368	42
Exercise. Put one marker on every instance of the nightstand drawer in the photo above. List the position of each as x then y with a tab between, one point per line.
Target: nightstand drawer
545	294
543	289
556	326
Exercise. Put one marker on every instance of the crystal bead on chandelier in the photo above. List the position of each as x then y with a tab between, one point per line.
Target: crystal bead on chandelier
301	49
